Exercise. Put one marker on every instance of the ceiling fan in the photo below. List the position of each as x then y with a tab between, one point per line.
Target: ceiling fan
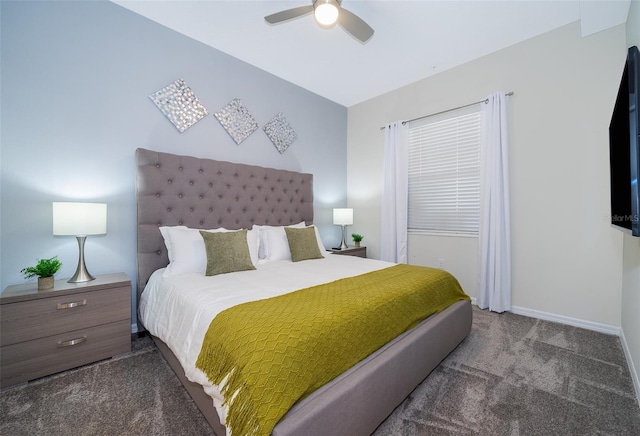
327	13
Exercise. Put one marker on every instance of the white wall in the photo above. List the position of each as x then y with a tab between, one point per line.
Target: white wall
631	253
566	257
459	255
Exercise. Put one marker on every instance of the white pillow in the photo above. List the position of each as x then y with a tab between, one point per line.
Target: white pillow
187	252
273	240
278	234
166	235
275	243
253	239
320	244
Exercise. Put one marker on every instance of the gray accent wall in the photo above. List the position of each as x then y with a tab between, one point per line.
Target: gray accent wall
75	81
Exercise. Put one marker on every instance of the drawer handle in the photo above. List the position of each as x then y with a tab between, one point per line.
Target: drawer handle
72	304
72	342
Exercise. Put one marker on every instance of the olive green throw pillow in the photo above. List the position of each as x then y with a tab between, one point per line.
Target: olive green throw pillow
226	252
303	244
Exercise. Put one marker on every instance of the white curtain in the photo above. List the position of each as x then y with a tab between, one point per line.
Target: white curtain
395	194
494	240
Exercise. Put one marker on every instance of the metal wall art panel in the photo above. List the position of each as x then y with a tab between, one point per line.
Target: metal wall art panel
280	132
179	104
236	120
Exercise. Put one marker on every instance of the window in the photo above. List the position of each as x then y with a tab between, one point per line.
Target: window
444	173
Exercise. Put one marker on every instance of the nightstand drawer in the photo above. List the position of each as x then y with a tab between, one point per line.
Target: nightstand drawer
29	320
351	251
29	360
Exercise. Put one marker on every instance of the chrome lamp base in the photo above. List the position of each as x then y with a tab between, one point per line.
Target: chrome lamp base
81	275
343	244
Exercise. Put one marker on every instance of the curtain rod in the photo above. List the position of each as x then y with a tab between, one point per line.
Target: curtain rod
485	101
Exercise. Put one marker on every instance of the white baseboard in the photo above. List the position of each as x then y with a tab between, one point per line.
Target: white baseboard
632	368
575	322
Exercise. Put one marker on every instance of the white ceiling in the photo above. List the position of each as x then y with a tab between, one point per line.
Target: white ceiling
412	40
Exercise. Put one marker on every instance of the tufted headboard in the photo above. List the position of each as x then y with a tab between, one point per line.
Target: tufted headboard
200	193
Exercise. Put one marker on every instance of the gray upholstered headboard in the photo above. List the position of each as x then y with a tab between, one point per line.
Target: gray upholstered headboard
200	193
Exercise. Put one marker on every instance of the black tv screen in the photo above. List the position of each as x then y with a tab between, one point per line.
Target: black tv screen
624	149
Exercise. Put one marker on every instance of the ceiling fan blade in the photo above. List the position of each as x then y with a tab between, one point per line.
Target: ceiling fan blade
288	14
355	25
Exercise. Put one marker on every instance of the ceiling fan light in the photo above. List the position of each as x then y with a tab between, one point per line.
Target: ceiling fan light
326	12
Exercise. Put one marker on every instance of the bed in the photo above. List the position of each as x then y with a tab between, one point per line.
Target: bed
198	193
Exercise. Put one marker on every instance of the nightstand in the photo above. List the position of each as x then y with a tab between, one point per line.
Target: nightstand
351	251
44	332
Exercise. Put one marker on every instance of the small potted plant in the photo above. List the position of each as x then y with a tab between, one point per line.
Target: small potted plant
44	269
357	238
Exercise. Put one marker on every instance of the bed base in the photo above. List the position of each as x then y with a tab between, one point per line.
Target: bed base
201	193
359	400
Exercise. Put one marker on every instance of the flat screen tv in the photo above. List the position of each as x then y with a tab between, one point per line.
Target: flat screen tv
624	149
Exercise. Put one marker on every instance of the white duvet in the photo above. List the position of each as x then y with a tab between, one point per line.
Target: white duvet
178	309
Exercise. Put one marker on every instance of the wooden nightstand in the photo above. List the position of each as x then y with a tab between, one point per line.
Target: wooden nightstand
44	332
352	251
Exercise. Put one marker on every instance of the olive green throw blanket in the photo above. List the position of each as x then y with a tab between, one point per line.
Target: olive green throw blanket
271	353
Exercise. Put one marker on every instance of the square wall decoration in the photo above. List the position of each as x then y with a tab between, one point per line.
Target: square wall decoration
179	104
236	120
280	132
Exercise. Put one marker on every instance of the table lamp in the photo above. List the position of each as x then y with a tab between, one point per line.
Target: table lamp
79	220
343	217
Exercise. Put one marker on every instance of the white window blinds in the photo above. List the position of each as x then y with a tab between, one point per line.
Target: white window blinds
444	172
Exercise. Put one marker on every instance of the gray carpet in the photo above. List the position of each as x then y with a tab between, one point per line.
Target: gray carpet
512	376
516	375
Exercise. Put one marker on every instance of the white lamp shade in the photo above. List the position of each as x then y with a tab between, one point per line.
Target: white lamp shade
343	216
79	219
